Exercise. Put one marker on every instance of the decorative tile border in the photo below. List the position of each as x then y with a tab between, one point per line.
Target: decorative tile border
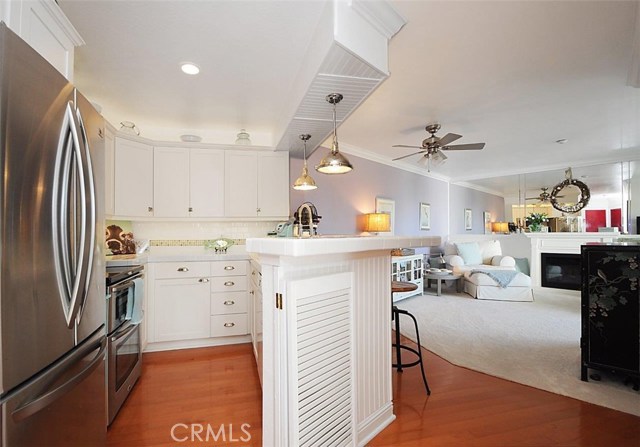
187	242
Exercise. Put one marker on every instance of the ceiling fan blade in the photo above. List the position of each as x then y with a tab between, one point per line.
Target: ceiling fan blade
464	147
410	155
449	138
404	145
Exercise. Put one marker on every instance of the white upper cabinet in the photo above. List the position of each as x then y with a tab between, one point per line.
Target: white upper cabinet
257	184
43	25
187	182
133	179
273	184
206	184
171	182
241	184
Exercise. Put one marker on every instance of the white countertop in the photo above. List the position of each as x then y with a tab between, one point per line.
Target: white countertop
171	254
322	245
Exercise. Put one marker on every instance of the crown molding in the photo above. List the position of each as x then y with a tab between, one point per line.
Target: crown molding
381	15
480	188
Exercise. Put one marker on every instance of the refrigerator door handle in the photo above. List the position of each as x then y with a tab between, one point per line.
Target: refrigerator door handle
89	207
69	247
49	397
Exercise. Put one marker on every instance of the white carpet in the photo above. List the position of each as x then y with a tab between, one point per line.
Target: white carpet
537	344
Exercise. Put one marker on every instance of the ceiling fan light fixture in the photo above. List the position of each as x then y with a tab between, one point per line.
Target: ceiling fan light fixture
334	162
305	182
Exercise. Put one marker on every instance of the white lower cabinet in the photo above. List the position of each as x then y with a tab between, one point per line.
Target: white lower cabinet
197	304
182	308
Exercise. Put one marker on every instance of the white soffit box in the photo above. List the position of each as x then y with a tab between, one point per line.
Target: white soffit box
349	56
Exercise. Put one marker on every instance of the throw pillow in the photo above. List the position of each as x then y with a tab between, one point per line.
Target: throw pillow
470	253
522	265
490	249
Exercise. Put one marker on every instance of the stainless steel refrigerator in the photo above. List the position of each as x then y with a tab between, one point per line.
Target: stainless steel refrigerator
52	279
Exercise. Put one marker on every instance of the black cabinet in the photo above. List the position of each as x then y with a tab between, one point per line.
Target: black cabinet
610	308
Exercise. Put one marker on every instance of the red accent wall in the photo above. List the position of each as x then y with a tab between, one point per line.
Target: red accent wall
595	219
616	218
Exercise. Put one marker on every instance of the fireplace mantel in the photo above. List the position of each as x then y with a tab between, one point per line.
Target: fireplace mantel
560	243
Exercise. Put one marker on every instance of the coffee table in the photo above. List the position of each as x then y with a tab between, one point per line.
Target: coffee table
439	278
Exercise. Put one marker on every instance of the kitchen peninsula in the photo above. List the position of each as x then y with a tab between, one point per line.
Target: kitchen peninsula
327	337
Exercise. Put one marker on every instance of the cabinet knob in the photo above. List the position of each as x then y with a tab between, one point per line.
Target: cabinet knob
150	209
203	280
183	269
229	324
251	292
229	303
191	209
229	283
258	210
229	267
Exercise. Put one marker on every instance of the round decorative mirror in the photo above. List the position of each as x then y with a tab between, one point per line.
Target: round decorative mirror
570	196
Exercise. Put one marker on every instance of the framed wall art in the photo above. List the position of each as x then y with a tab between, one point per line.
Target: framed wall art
487	222
425	216
468	219
387	206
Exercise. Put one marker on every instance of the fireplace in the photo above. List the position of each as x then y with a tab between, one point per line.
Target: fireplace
560	271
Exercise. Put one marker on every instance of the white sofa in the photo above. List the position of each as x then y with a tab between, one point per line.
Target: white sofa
464	257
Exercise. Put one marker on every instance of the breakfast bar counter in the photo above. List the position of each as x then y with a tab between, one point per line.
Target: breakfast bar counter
327	337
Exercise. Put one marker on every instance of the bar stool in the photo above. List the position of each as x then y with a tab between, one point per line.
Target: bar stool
402	286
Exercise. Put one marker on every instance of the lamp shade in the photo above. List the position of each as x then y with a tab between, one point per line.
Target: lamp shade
377	222
500	227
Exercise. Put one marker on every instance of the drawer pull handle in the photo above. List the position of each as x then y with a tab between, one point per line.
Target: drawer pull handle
183	269
229	283
229	267
203	280
229	303
229	324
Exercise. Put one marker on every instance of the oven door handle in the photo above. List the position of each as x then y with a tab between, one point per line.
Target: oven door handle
125	285
123	332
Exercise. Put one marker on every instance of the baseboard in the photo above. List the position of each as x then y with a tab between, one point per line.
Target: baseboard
197	343
374	424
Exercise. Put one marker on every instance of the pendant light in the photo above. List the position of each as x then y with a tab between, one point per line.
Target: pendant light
304	182
334	162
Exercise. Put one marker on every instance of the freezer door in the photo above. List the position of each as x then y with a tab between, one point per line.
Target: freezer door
64	406
33	98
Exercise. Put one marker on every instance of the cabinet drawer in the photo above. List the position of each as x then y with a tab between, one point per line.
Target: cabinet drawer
182	269
228	303
228	268
225	325
228	284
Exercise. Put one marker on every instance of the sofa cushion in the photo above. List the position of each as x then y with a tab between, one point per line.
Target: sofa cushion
470	252
489	249
520	280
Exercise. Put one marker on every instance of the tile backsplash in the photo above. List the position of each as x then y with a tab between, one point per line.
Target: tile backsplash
196	233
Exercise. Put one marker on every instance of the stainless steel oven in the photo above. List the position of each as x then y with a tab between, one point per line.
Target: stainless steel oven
124	344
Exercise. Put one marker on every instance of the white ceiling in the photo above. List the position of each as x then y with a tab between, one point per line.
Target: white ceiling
516	75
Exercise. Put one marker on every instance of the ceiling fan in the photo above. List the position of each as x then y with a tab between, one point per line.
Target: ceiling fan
433	146
543	197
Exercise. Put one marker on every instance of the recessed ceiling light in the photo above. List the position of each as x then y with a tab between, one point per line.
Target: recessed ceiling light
562	141
190	68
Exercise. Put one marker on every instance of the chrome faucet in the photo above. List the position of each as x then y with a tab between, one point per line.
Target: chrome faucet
301	208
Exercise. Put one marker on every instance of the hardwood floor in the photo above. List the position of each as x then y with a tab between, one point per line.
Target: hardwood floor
220	385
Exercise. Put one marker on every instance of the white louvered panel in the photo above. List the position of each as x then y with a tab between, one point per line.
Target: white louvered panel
320	353
315	105
341	62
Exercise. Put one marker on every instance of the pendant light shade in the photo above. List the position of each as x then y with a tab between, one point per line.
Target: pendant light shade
304	182
334	162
